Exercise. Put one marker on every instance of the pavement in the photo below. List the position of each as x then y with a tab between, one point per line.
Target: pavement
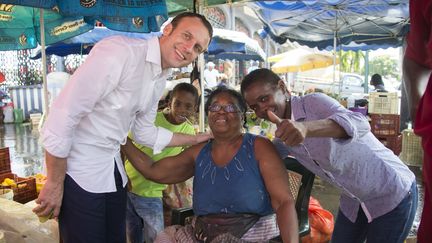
27	158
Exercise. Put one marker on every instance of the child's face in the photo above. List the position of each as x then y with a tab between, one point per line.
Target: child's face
182	106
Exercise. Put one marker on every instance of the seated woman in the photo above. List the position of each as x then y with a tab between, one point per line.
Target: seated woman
240	182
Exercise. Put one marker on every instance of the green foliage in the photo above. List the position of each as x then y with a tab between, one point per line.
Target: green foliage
386	66
251	119
351	62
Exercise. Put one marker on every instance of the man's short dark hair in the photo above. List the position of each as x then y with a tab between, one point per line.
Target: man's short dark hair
262	75
376	79
177	19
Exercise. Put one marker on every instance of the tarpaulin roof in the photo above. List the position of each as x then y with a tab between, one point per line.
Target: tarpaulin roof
225	44
358	24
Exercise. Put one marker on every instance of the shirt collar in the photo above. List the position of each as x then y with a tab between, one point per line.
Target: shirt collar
297	108
154	56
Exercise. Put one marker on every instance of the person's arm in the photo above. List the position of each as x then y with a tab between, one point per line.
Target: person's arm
416	77
169	170
277	184
333	121
181	139
50	198
144	132
417	53
293	133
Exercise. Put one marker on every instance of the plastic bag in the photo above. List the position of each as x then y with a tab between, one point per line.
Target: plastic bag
321	222
18	224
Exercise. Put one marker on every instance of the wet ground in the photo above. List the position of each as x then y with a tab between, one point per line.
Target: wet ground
27	159
25	151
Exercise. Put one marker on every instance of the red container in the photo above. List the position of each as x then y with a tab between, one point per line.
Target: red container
5	166
392	142
383	125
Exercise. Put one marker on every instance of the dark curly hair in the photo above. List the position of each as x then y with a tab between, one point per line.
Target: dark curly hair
239	98
187	88
262	75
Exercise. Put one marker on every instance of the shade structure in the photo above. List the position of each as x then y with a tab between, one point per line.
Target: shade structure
300	60
82	44
132	16
20	27
229	44
225	44
324	23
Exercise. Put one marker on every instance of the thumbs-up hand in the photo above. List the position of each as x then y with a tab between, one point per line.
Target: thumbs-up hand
290	132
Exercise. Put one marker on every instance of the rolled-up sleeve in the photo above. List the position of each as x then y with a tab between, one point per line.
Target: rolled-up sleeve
79	96
146	133
355	124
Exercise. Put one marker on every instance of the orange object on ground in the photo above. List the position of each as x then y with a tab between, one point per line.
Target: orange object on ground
321	222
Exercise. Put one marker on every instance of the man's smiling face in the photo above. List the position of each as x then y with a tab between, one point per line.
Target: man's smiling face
182	44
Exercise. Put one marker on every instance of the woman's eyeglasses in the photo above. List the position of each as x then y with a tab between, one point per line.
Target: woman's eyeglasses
230	108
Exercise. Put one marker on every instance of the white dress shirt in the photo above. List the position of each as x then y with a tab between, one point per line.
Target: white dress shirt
115	90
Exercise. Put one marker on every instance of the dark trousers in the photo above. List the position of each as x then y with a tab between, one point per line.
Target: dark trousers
392	227
93	217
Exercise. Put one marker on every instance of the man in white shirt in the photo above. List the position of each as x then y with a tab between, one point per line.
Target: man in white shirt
116	90
211	76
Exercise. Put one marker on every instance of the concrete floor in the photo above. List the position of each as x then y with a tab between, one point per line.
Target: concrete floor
328	197
27	159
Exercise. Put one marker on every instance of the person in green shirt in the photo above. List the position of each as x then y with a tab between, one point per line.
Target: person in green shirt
144	216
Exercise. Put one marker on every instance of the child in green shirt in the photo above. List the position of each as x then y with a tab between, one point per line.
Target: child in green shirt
144	216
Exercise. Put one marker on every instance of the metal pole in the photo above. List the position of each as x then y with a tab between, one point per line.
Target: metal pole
366	81
267	48
334	60
201	70
44	62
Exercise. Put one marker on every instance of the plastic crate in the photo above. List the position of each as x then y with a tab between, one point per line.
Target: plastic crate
383	125
412	151
5	166
25	190
383	103
394	143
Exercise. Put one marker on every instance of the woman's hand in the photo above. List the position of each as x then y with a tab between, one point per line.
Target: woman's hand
290	132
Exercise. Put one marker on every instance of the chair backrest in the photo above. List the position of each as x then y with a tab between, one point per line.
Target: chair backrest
301	182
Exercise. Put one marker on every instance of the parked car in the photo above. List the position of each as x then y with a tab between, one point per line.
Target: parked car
350	83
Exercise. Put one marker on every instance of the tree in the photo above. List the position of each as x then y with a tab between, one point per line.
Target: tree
386	66
351	61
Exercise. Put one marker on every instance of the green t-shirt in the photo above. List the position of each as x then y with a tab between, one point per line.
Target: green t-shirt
142	186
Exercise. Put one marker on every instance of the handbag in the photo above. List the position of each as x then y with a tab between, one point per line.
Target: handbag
208	227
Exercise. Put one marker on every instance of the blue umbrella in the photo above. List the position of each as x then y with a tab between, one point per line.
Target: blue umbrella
228	44
82	44
324	23
225	44
24	27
